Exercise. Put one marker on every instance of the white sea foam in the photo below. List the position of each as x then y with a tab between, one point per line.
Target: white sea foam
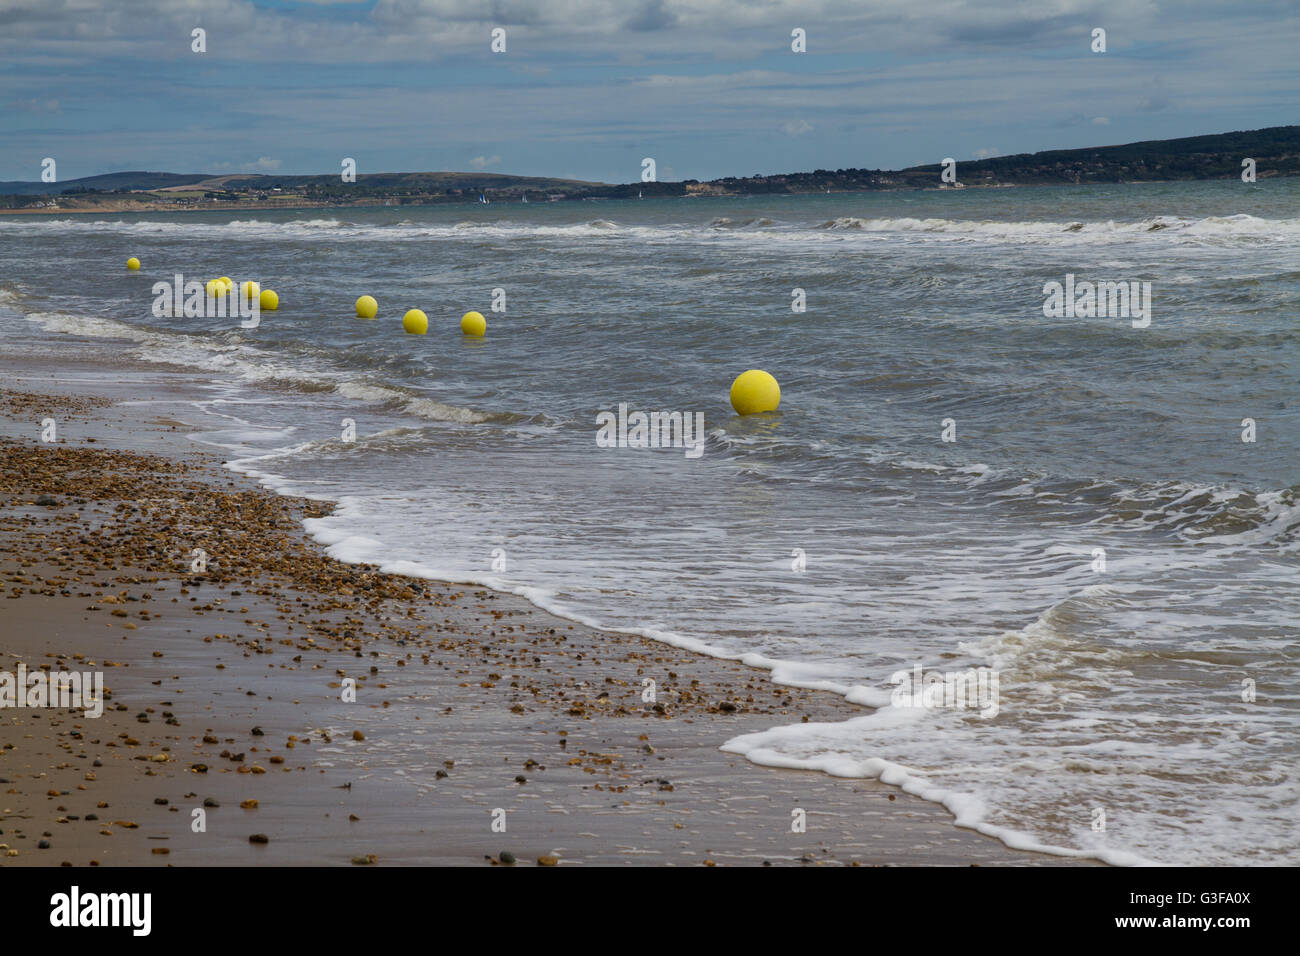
250	364
759	230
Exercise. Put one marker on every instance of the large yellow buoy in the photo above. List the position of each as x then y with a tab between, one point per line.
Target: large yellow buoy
133	264
473	323
215	288
228	282
755	391
268	301
367	307
415	322
249	290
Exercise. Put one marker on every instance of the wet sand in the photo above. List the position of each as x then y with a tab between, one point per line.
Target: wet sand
472	707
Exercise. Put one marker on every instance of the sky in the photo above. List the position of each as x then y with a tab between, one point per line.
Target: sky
586	89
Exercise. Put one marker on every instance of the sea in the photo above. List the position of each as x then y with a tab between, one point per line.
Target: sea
1096	509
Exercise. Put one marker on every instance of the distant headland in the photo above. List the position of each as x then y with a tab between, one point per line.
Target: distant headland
1275	152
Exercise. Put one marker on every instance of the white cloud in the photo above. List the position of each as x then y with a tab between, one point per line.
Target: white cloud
987	151
1101	121
483	162
408	30
797	127
263	164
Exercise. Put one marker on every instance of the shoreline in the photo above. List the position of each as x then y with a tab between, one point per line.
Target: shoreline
530	714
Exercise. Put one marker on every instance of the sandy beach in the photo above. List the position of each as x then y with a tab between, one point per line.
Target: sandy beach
225	688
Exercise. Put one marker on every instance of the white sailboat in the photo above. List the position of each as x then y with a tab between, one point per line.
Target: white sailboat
482	199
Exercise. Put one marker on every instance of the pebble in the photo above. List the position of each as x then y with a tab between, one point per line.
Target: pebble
263	553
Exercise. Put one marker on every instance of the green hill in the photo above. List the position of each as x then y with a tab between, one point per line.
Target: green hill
107	182
1276	151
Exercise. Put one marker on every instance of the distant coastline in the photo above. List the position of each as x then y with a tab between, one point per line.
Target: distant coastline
1275	152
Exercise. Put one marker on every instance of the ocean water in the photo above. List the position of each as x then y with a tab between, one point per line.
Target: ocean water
840	540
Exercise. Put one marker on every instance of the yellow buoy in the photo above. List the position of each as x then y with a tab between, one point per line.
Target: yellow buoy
415	322
248	290
133	263
215	288
227	282
268	301
755	391
473	323
367	307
